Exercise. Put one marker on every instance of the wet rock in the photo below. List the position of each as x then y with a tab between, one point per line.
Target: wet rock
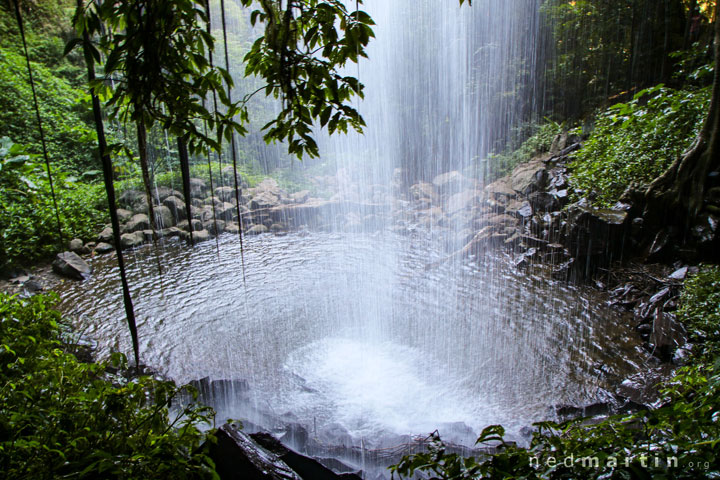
226	211
198	188
705	231
106	235
300	197
225	194
256	230
643	388
76	245
196	224
159	194
163	217
451	181
525	211
422	191
659	247
215	227
171	232
139	221
103	247
667	335
500	189
306	467
679	274
69	264
124	215
130	199
132	240
201	236
594	235
238	457
232	227
545	201
264	199
176	207
529	177
460	201
228	176
277	227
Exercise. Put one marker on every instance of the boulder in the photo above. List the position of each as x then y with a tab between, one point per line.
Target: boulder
300	197
451	181
460	201
529	177
226	211
256	230
265	199
201	236
124	215
132	240
176	207
76	245
196	224
69	264
306	467
171	232
106	235
237	457
163	217
103	247
232	227
225	194
594	232
215	227
130	199
501	189
198	188
422	190
139	221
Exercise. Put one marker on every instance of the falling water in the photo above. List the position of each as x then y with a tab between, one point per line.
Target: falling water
361	327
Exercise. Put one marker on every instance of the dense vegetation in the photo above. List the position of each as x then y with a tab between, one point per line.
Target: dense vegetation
678	440
62	418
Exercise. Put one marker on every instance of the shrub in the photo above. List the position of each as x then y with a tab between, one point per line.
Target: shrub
60	418
634	142
28	225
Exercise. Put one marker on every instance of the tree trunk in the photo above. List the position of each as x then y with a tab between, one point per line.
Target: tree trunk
680	190
110	191
185	171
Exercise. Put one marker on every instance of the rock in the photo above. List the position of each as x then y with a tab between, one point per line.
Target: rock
264	200
103	247
667	335
196	224
69	264
159	194
525	211
124	215
269	185
277	228
659	246
227	175
139	221
76	245
547	201
232	227
308	468
256	230
198	188
705	231
226	211
529	177
451	181
163	217
106	236
679	274
201	236
225	194
422	190
176	207
460	201
132	240
591	231
501	188
300	197
131	199
237	457
171	232
214	227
